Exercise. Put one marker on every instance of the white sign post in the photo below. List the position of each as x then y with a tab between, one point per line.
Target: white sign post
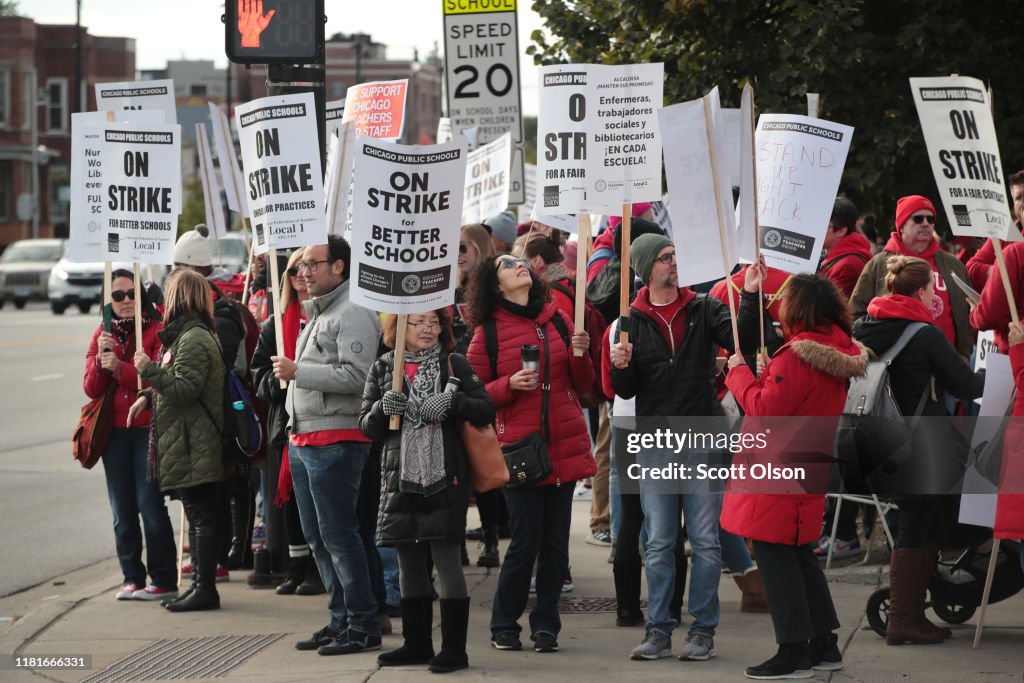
481	46
800	162
138	95
405	225
142	191
487	180
961	139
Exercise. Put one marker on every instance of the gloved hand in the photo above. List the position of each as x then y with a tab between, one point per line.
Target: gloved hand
437	408
394	402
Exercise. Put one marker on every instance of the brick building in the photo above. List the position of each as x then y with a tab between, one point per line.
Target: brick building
356	58
45	54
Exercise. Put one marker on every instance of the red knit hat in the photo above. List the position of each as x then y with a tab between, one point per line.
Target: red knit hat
638	208
907	206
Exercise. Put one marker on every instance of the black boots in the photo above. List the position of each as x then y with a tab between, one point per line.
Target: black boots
418	646
192	543
489	556
204	551
454	625
296	574
312	584
243	517
793	660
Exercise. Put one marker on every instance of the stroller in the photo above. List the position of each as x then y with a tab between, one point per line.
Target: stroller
956	587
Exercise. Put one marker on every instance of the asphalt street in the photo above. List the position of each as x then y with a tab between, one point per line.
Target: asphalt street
56	517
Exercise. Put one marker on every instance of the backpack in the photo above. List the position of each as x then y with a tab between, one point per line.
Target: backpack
242	427
873	434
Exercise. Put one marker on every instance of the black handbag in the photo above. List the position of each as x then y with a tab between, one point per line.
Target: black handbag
527	459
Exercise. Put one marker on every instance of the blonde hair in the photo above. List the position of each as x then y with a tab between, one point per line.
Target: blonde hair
906	274
477	235
286	286
188	292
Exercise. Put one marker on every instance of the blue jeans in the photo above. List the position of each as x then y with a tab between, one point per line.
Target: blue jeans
735	555
326	482
124	466
389	560
539	519
661	520
614	502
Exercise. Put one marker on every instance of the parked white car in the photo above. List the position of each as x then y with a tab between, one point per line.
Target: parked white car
81	284
25	267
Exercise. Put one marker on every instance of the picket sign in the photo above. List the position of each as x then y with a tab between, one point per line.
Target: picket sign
582	255
750	131
713	153
625	273
108	274
398	375
211	192
275	293
138	316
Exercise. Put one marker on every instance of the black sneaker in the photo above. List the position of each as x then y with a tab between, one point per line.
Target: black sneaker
825	654
349	643
476	534
324	636
791	661
544	642
506	640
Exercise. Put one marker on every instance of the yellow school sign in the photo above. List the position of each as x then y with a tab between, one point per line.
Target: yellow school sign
478	6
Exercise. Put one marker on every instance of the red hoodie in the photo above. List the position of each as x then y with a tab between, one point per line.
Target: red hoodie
899	307
774	290
942	312
845	261
671	318
993	310
981	264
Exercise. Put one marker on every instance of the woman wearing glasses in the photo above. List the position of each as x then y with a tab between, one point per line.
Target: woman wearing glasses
914	235
186	396
303	576
425	480
109	362
511	300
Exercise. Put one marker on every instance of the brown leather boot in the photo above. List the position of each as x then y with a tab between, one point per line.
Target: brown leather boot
928	562
754	599
908	581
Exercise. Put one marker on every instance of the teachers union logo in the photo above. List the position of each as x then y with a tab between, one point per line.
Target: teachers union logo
772	239
600	185
411	284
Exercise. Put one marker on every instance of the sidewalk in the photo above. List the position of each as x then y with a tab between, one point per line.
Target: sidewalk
82	617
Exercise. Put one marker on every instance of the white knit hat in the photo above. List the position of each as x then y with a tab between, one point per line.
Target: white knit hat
193	248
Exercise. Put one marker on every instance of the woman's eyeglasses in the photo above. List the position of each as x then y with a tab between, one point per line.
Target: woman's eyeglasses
511	263
424	325
930	220
119	295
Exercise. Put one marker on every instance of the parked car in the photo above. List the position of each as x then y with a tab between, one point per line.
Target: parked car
234	252
25	268
81	284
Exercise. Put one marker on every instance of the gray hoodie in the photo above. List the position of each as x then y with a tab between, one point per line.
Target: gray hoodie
334	354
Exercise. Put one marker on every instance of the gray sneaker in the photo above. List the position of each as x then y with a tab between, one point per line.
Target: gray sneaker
698	647
655	645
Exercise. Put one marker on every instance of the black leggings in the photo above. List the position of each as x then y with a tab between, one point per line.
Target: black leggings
922	520
797	592
492	508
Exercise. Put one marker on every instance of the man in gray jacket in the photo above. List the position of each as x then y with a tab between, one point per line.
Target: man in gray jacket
327	450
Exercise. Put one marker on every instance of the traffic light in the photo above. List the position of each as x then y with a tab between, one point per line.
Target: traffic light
274	31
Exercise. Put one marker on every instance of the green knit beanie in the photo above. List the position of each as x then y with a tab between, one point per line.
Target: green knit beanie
642	252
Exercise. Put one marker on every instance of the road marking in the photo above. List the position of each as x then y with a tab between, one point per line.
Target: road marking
45	378
43	342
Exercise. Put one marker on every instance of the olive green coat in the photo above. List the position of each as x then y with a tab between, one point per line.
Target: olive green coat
189	391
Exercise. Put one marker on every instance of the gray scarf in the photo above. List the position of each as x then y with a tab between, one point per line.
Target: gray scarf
422	445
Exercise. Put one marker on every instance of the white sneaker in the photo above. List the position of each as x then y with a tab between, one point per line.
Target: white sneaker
603	537
127	591
582	493
152	592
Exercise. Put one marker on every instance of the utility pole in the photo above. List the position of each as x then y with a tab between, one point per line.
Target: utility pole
33	92
79	105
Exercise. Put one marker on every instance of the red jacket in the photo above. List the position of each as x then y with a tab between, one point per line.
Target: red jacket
993	310
845	261
982	262
97	379
518	413
807	376
1010	506
774	290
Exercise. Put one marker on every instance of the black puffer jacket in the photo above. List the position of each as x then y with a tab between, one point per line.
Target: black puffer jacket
684	383
407	517
928	354
268	387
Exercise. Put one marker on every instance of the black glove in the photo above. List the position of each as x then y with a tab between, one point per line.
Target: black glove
437	408
394	402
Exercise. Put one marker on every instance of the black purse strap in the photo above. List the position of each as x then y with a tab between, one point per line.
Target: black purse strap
545	387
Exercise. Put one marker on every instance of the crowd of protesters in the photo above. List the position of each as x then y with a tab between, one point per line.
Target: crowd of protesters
353	487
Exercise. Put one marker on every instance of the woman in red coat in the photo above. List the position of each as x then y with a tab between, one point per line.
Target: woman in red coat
109	362
509	299
1010	506
807	376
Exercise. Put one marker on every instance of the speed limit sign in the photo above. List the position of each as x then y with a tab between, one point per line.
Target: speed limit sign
481	47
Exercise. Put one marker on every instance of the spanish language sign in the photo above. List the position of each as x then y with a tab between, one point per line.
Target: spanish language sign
481	49
961	139
598	143
86	237
800	161
703	219
138	95
281	166
406	213
142	190
377	109
487	180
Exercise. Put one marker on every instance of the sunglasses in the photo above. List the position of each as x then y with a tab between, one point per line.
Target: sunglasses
119	295
511	263
930	220
463	249
293	271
